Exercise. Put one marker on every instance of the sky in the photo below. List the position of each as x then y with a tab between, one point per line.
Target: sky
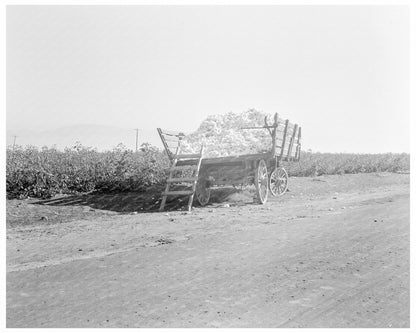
340	72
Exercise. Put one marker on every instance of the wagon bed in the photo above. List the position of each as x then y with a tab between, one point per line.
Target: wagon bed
261	169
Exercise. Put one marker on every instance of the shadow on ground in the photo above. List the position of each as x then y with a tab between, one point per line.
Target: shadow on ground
142	202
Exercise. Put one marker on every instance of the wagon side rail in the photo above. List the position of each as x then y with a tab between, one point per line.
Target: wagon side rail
171	142
286	140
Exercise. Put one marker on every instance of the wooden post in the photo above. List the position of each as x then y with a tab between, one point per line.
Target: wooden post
164	197
276	123
292	139
196	175
297	157
165	144
284	138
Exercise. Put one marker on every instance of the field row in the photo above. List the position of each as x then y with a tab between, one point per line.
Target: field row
45	172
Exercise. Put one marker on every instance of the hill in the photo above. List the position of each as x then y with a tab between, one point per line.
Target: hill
97	136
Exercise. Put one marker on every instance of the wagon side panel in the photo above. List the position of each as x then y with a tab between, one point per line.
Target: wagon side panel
298	145
279	137
288	141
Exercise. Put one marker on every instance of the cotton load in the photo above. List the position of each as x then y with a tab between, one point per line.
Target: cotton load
223	136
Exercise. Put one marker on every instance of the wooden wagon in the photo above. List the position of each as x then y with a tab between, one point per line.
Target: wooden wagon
261	169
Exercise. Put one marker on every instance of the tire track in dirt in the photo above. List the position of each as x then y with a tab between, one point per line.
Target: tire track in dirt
79	230
348	295
219	286
245	266
96	254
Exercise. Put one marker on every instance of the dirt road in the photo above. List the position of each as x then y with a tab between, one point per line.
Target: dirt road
333	252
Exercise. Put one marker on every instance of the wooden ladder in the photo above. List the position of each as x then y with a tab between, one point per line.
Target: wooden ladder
192	180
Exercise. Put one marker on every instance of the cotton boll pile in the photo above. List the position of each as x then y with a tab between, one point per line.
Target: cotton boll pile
223	136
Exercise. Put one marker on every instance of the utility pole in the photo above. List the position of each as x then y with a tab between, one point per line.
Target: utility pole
14	144
137	138
14	141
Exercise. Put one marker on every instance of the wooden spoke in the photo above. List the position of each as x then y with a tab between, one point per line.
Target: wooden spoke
278	181
261	182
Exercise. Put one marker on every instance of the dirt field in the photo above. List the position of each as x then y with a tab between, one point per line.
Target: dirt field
332	252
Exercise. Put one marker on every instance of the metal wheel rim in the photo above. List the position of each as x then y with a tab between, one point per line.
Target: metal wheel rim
262	182
278	181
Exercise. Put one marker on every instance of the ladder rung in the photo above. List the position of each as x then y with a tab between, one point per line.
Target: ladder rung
183	167
176	180
178	193
187	156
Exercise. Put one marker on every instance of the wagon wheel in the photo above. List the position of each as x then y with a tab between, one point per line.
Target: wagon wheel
203	191
278	181
261	180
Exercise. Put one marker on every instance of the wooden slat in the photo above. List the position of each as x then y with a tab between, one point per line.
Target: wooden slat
184	167
284	137
294	150
180	156
162	204
172	133
298	148
286	152
191	197
177	193
292	139
185	180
